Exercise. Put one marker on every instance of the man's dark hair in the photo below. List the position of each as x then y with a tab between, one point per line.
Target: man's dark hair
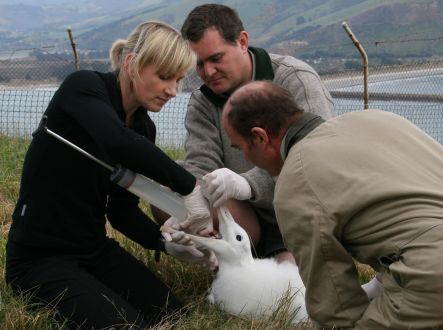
223	18
261	104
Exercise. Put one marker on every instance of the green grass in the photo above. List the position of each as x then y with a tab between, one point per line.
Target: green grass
188	282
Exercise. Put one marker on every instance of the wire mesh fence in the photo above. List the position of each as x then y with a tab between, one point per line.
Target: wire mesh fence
412	89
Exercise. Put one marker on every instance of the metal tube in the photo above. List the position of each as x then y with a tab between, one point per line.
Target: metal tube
365	63
42	127
72	145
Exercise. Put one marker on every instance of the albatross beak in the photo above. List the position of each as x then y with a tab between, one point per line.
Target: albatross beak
224	215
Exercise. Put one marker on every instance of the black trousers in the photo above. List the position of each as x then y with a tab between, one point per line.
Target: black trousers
107	289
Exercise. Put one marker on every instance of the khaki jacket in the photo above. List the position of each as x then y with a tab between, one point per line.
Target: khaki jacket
363	185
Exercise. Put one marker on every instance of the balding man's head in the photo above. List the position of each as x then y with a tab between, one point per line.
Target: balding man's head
255	118
260	104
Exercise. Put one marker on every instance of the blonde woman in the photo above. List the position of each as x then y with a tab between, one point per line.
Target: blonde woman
57	248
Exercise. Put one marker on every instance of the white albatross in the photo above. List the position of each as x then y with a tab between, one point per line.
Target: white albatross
248	286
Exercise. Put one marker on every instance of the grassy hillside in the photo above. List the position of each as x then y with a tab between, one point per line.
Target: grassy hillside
397	29
316	24
309	28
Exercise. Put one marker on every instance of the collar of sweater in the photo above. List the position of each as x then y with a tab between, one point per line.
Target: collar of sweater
263	71
305	124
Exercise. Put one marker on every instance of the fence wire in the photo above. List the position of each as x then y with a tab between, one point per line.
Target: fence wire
412	89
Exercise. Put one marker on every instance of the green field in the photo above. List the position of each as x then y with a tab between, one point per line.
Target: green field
189	282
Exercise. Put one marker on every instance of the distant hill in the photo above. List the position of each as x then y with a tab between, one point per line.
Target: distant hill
306	28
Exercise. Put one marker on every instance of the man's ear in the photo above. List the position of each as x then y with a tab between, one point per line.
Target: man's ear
260	136
243	40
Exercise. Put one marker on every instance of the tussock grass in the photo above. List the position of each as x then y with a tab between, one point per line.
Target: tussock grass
19	313
188	282
12	152
366	272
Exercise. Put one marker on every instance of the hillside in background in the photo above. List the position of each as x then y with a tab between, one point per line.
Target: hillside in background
305	28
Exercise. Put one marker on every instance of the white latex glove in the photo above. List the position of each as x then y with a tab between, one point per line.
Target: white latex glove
373	288
191	254
199	220
223	184
179	237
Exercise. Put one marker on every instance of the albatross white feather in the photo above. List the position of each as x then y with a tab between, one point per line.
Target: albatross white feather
248	286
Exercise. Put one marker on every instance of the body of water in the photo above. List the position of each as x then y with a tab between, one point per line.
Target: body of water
21	109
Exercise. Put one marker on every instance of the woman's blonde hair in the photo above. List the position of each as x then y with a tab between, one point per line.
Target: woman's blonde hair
154	43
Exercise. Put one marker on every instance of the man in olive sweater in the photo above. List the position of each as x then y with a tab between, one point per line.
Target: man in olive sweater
224	62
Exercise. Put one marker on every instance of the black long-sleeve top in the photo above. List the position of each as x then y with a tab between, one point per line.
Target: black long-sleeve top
65	196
